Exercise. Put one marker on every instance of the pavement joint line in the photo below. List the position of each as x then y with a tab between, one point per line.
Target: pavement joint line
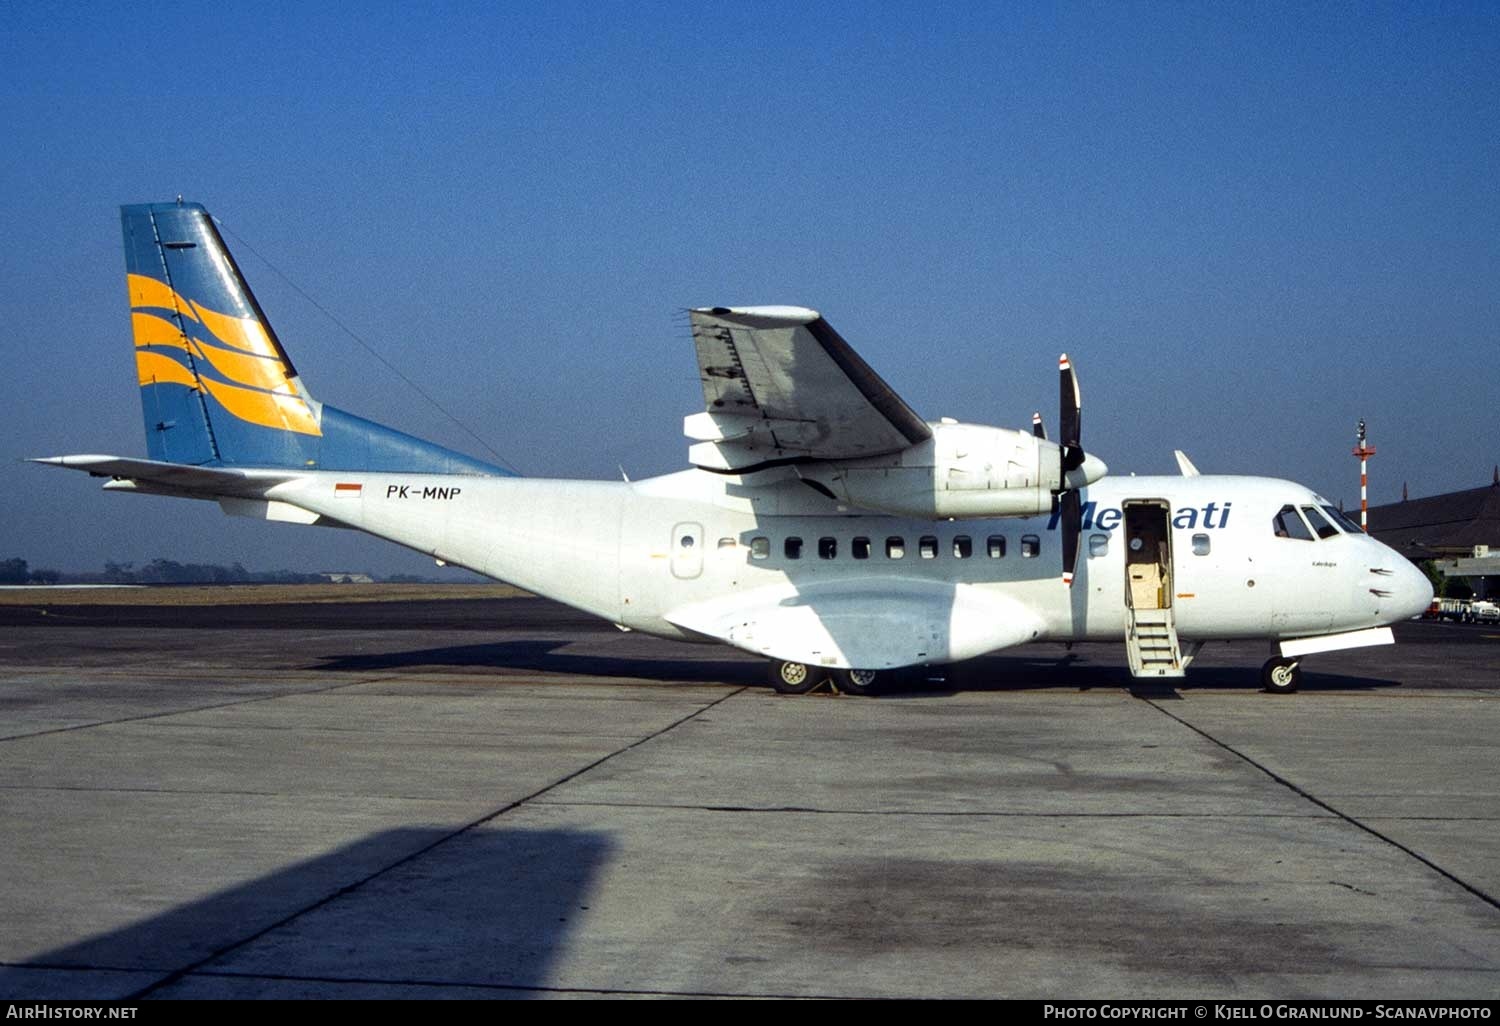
76	968
181	712
953	814
350	888
105	789
1483	896
323	729
521	987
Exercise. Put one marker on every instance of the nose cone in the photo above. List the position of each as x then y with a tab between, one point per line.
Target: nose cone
1413	592
1090	470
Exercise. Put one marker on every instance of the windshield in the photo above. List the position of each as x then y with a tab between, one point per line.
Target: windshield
1321	526
1338	518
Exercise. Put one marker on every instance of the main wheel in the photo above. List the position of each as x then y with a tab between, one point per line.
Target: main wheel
1281	676
795	678
856	682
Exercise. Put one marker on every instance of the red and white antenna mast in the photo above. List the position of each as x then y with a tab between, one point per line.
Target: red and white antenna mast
1364	451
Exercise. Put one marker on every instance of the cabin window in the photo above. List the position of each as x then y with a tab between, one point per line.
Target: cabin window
860	548
760	548
1287	524
1201	544
996	546
963	547
927	547
792	548
1031	546
895	548
727	543
1098	545
827	548
686	541
1323	528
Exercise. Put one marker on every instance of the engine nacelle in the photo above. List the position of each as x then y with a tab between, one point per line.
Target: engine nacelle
963	470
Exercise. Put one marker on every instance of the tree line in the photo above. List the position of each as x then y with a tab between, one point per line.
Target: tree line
167	571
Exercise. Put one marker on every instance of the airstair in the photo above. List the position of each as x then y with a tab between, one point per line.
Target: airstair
1152	644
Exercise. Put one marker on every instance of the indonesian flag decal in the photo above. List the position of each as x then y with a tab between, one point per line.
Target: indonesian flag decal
344	490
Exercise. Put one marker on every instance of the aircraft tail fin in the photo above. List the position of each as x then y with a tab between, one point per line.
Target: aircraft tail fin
217	387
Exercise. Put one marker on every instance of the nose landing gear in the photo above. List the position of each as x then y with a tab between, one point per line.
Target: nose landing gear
1281	676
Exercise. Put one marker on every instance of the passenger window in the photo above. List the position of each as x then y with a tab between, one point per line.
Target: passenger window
827	548
860	549
996	545
1323	528
793	548
1288	524
760	548
927	547
1098	545
1201	544
963	547
895	548
1031	546
727	543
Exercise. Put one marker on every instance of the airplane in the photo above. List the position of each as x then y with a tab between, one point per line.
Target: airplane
822	524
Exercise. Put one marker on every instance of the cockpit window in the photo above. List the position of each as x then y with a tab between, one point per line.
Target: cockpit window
1320	525
1288	524
1338	518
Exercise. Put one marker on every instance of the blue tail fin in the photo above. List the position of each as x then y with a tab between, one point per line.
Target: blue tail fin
217	388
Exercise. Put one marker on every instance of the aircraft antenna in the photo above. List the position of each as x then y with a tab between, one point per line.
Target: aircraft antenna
1364	451
240	240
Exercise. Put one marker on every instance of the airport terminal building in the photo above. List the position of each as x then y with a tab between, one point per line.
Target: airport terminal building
1459	531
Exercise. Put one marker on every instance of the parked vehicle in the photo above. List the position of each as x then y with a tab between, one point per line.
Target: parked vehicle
1453	610
1483	611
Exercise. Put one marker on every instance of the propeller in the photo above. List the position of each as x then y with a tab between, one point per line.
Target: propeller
1077	468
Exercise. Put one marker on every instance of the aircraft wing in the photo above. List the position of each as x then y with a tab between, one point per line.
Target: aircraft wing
872	624
779	383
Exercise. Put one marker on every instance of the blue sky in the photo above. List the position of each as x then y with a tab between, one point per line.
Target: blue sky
1250	225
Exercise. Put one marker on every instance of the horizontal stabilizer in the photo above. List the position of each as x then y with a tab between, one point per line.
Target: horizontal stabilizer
177	477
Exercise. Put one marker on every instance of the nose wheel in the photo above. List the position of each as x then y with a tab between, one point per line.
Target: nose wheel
1281	676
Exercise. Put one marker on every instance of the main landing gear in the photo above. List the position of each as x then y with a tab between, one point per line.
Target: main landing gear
791	678
795	678
1281	676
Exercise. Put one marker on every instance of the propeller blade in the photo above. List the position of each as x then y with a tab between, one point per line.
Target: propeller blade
1072	529
1037	427
1068	401
1070	420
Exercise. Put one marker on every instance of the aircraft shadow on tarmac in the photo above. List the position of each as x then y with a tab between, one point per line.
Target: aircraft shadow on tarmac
490	907
1067	671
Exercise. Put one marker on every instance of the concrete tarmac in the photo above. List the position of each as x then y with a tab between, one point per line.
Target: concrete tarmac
504	799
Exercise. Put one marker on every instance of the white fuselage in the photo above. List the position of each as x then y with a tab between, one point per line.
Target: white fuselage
696	547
